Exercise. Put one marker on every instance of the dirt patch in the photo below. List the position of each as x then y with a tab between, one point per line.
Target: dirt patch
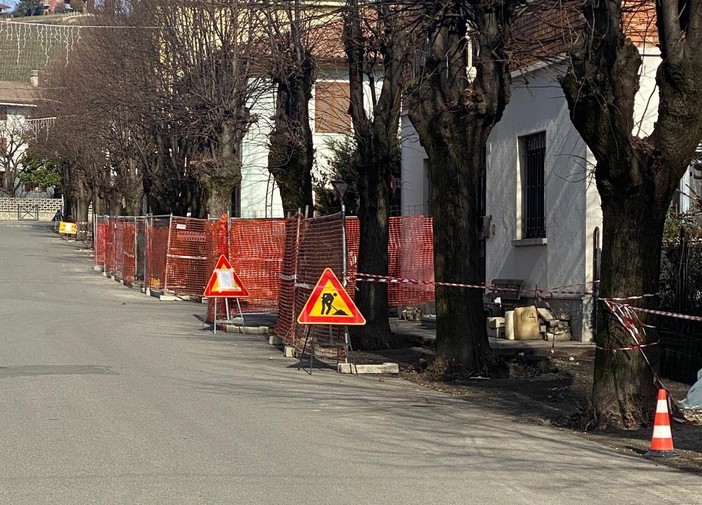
550	388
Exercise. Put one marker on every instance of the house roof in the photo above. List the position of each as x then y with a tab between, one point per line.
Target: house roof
18	93
544	31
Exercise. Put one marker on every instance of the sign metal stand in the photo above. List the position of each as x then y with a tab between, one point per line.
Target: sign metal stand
225	283
328	304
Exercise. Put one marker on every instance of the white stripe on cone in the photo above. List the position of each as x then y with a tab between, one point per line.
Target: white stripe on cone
662	432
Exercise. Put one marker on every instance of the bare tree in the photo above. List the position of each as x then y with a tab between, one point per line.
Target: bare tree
93	99
636	176
377	44
209	50
14	138
290	29
460	94
165	89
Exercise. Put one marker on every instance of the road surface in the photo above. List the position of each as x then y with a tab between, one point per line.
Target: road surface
108	396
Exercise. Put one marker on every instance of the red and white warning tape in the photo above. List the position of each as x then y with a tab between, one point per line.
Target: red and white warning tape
629	320
362	277
668	314
541	294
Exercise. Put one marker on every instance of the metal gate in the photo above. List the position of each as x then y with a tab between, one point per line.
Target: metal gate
27	212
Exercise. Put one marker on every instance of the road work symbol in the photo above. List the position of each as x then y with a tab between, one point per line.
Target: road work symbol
330	304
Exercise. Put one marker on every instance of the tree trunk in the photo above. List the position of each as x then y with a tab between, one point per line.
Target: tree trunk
460	95
636	176
291	154
373	215
461	336
9	183
164	173
623	388
377	151
219	181
80	201
134	189
221	173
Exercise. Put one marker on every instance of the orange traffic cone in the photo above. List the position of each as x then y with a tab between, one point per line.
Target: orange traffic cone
662	440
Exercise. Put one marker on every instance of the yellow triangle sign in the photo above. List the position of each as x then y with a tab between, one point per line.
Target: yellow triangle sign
329	303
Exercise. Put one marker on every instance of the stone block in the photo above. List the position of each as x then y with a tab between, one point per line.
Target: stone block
495	322
496	332
275	340
385	368
557	337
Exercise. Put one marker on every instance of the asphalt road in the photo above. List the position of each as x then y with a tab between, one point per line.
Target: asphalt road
111	397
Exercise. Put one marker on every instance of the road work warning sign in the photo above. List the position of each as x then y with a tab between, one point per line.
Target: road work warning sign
329	303
224	282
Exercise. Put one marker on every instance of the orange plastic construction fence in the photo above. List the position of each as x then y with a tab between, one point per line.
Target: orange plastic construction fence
311	245
279	261
314	244
156	246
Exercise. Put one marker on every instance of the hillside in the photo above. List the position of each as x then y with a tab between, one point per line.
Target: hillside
31	43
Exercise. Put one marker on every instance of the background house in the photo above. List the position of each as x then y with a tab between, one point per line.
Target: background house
259	195
542	211
17	102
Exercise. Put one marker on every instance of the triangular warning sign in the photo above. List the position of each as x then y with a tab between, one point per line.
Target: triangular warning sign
224	282
329	303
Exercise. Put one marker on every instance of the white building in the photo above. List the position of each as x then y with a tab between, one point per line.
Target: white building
329	118
542	208
17	102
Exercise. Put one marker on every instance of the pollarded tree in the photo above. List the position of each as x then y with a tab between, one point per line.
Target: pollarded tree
211	51
460	94
636	176
92	95
290	29
377	44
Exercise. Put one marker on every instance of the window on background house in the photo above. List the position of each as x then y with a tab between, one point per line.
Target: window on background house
331	105
533	149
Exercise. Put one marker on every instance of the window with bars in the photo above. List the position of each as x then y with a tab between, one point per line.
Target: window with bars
534	153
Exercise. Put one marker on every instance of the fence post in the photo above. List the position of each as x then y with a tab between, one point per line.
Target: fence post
136	251
148	223
168	249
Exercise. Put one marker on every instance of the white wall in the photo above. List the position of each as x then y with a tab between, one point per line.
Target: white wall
537	105
647	96
414	188
259	192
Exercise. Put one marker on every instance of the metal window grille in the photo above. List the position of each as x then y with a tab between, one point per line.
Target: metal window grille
533	196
